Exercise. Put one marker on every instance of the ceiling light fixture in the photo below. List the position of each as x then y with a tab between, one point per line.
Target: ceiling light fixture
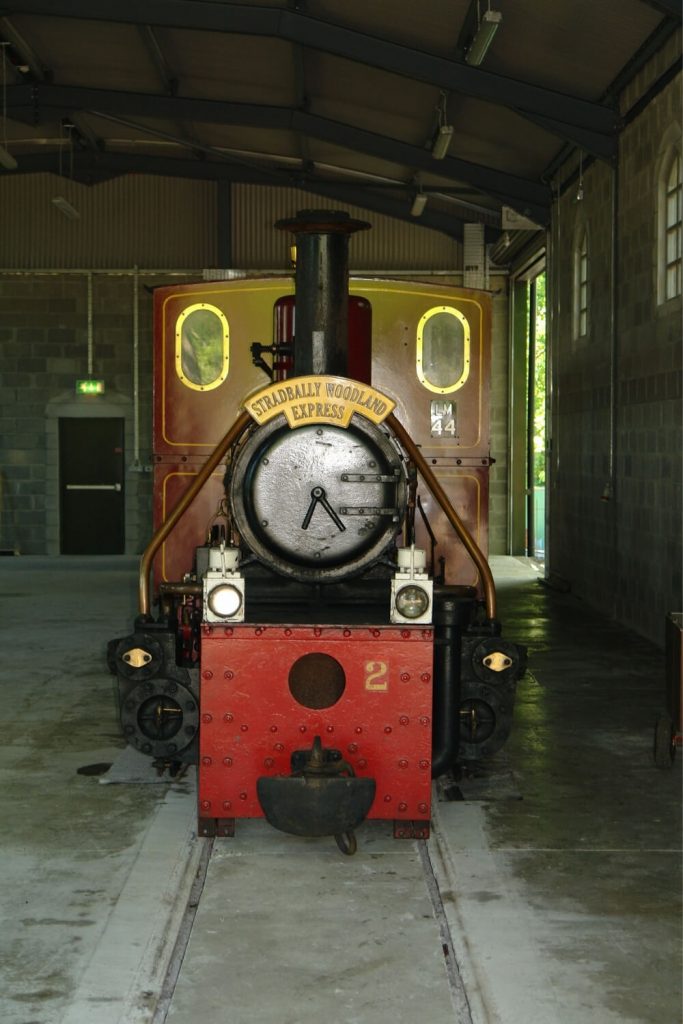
62	204
65	207
442	141
444	133
487	26
419	203
579	192
6	158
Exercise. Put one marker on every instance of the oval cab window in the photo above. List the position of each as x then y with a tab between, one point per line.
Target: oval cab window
202	347
443	350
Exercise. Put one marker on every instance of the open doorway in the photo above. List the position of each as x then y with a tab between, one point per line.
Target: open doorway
536	420
528	411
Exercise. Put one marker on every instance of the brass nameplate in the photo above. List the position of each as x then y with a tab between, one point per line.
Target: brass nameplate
319	399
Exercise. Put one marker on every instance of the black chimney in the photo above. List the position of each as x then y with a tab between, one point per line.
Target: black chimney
321	337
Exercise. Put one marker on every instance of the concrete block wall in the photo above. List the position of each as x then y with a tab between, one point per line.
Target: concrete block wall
43	351
649	459
617	541
580	540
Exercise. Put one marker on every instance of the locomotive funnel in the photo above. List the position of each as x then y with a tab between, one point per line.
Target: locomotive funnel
322	282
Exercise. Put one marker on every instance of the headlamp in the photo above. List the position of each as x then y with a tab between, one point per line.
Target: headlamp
412	601
225	601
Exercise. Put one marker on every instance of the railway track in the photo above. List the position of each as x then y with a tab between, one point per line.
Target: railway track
287	930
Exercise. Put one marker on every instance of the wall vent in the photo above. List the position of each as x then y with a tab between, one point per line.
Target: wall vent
222	274
475	270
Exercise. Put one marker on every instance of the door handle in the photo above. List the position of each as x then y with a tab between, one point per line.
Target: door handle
93	487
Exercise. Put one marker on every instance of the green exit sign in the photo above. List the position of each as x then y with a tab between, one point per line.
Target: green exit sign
89	387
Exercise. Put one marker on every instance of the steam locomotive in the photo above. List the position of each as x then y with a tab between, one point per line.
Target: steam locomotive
325	641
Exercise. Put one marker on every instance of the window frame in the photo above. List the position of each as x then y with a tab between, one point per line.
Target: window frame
180	322
582	283
672	227
419	349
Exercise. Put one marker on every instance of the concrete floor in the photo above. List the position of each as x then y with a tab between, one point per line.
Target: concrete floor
554	898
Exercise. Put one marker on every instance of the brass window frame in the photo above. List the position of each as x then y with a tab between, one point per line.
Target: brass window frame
424	320
180	321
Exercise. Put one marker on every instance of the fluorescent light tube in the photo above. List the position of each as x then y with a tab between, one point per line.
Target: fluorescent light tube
65	207
488	26
442	141
419	203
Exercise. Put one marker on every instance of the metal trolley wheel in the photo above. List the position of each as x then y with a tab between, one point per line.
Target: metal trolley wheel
664	747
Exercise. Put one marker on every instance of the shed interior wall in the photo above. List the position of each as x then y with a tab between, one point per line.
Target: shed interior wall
616	523
615	519
44	350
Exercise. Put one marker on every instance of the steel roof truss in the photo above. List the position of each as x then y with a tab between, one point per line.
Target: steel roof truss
521	193
343	42
98	167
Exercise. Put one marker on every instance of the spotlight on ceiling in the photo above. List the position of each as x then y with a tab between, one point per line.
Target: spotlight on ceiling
7	160
419	203
442	141
444	131
65	207
483	37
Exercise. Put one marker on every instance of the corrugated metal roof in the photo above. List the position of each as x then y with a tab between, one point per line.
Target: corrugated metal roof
268	92
389	244
138	219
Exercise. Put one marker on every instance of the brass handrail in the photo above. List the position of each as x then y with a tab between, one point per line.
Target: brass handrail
454	519
235	432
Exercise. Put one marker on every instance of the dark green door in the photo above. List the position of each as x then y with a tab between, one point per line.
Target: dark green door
91	486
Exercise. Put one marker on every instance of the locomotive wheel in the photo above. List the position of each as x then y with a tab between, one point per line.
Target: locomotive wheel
664	747
160	717
485	720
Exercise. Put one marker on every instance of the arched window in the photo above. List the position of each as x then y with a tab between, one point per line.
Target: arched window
671	240
668	215
581	285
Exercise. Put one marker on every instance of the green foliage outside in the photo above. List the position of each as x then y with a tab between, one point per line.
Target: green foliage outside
539	390
203	343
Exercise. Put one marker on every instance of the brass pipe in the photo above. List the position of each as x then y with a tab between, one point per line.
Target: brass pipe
181	589
235	432
454	519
